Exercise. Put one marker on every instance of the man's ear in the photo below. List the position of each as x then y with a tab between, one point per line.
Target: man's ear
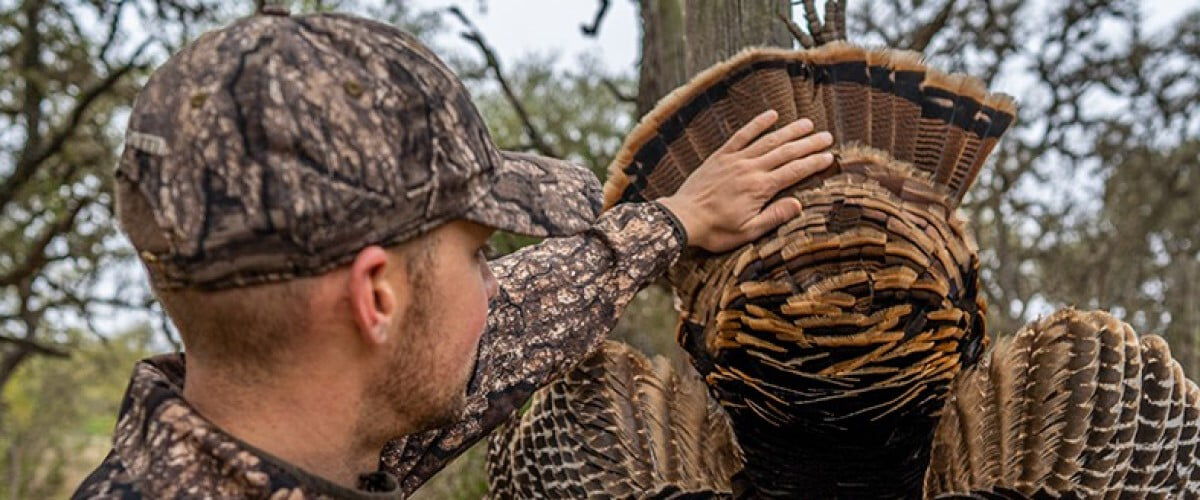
375	300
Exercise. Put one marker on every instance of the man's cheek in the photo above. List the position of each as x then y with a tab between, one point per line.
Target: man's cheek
479	311
479	315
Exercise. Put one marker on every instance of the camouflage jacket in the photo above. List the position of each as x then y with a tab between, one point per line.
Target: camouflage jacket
557	301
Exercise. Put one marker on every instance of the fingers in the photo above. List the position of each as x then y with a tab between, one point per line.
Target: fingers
799	169
778	212
794	150
773	140
748	132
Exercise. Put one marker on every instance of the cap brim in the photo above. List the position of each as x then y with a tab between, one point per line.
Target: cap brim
539	196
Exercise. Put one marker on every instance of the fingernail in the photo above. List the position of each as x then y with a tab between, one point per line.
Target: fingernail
826	136
805	123
768	113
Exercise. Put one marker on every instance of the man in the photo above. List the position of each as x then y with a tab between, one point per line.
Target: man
310	196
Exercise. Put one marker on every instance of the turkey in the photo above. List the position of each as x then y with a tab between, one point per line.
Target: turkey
847	347
1072	406
616	426
832	341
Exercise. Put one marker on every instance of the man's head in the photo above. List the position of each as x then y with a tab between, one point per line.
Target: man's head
415	312
313	191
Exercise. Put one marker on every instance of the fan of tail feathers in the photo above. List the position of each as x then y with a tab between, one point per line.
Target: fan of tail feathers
832	341
944	125
616	426
1073	406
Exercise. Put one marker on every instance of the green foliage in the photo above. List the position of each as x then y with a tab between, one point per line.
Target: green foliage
59	415
575	112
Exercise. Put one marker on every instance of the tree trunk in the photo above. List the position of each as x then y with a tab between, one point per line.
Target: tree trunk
664	61
683	37
717	30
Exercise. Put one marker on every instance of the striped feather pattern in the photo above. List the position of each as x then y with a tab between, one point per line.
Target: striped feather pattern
1089	411
616	426
832	341
944	125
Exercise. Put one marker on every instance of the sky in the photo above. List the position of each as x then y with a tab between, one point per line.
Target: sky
520	27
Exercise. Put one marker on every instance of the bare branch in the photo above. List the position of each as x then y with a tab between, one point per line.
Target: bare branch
493	63
36	258
593	29
920	39
27	165
29	345
114	26
616	92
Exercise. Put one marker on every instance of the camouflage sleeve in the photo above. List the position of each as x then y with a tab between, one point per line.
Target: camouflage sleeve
557	302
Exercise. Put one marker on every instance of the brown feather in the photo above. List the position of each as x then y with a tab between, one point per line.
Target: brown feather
843	88
1098	413
617	425
832	341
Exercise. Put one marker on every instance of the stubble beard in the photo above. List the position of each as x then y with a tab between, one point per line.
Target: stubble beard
413	394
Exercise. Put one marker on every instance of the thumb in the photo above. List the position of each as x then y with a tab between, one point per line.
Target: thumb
778	212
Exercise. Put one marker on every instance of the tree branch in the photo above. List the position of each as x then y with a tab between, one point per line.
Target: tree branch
616	92
920	39
28	164
114	27
594	29
493	63
36	258
36	347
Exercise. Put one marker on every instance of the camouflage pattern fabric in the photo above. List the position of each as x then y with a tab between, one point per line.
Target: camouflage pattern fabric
279	146
162	448
557	302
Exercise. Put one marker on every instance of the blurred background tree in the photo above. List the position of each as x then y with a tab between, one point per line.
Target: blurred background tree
59	415
68	72
1089	202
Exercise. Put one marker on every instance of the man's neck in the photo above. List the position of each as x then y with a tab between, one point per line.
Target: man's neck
307	424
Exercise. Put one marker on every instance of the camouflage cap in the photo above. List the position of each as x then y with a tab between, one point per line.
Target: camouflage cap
279	146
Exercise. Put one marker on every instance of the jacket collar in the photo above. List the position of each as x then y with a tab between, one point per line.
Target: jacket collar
169	449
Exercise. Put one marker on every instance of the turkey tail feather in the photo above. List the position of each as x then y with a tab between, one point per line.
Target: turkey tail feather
946	125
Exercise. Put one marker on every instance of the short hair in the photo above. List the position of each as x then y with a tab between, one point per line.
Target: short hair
244	328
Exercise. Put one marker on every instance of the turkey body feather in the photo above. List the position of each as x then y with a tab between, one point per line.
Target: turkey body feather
831	341
1074	405
618	425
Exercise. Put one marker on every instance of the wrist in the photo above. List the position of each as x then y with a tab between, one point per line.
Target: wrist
683	218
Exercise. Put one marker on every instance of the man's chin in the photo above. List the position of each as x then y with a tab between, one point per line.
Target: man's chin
451	412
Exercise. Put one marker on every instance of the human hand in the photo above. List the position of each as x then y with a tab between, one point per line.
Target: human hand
721	204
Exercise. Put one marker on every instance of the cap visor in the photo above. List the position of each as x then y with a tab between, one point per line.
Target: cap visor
539	196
